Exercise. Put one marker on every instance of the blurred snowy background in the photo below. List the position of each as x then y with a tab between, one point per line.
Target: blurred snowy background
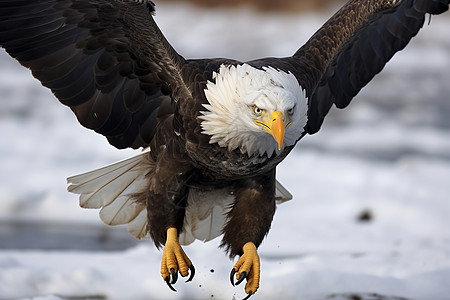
370	218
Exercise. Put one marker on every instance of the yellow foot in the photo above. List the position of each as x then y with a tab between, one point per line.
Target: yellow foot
174	260
247	267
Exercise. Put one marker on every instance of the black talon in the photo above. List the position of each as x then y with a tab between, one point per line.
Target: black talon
192	271
248	295
167	280
232	273
241	277
174	276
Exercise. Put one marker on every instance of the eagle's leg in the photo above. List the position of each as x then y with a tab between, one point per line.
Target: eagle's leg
247	267
166	207
248	223
174	260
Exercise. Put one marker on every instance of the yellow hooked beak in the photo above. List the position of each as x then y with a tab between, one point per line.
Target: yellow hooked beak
274	125
277	127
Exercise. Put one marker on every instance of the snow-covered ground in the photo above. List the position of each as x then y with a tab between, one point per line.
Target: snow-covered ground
388	154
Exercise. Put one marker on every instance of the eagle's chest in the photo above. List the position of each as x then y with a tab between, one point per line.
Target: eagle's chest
216	163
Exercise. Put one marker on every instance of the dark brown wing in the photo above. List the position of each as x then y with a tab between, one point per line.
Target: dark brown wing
354	45
105	59
351	48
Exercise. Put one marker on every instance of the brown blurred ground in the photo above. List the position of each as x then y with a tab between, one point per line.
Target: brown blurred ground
266	5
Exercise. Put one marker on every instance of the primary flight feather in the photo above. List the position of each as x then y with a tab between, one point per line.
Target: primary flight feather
213	130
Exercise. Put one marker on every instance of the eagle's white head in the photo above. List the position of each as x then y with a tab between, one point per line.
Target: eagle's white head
258	111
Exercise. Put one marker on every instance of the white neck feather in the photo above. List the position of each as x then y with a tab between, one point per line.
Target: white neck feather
228	118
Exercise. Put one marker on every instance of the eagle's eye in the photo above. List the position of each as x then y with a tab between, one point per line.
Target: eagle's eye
291	110
258	111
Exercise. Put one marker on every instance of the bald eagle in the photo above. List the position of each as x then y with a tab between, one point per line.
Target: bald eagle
213	130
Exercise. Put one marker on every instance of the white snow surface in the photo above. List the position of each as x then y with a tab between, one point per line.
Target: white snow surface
388	153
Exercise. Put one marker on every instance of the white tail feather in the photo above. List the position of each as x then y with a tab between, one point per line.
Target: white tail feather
123	209
107	192
281	193
88	176
138	227
205	215
206	212
111	188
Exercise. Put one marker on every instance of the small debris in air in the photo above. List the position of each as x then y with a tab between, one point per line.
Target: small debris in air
365	216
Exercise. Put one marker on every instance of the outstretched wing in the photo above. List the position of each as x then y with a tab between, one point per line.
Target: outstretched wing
354	46
351	48
105	59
